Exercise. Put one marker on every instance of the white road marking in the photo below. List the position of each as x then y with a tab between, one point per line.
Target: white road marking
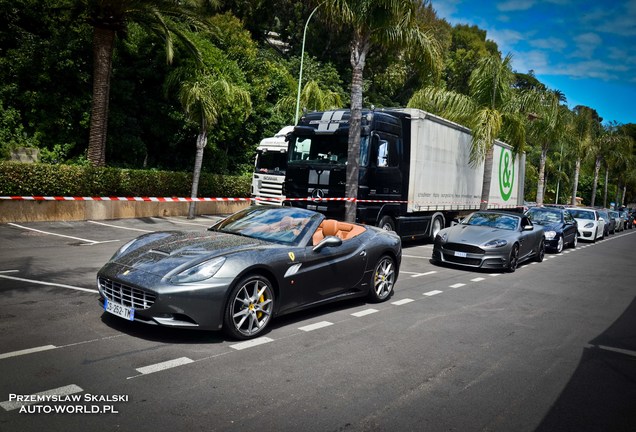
457	285
415	256
164	365
61	391
120	227
495	274
50	284
54	234
403	302
27	351
178	222
479	279
9	271
364	312
432	293
315	326
251	343
424	274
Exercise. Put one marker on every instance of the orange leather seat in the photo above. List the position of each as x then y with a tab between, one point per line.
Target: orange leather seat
342	230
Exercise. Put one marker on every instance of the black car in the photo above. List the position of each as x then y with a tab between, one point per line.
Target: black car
250	267
559	226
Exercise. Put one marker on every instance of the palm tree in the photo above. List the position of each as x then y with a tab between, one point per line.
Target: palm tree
602	150
492	110
109	19
373	24
312	97
204	96
587	124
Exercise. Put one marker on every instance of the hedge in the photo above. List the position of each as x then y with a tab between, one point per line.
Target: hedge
26	179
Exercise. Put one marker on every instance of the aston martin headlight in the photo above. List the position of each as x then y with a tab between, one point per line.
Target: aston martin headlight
441	237
496	243
199	272
550	235
589	225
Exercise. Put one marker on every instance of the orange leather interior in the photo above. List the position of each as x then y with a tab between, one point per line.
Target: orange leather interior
342	230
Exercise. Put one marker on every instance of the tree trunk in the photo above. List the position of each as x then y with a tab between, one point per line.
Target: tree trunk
623	196
605	186
541	183
359	49
202	140
487	179
575	182
597	168
103	45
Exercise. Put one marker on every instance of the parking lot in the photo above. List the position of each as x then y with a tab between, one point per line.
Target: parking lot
452	349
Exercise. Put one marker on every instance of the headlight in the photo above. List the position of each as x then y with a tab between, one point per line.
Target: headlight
199	272
549	235
123	249
589	225
496	243
441	237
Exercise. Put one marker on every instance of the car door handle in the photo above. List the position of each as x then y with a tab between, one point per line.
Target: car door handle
363	253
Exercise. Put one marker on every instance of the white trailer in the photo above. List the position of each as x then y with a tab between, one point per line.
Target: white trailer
269	168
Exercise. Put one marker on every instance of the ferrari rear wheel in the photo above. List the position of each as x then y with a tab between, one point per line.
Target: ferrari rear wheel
383	279
249	308
513	260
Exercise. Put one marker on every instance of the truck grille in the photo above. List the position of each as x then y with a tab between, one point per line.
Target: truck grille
126	295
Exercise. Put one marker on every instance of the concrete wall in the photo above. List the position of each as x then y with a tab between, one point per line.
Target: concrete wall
34	211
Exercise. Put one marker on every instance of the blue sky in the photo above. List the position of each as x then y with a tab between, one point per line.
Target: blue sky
586	49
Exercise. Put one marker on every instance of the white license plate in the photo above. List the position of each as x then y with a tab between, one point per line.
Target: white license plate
461	254
119	310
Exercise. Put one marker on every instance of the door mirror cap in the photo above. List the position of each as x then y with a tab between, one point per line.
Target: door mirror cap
330	241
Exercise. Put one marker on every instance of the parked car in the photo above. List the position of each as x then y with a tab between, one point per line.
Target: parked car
590	225
256	264
559	226
610	223
619	222
629	219
490	239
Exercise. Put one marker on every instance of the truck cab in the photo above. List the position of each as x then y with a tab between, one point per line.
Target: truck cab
270	168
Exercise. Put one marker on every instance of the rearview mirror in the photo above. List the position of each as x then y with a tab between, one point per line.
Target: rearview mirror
329	241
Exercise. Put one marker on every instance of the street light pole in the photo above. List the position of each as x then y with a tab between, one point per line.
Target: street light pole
302	57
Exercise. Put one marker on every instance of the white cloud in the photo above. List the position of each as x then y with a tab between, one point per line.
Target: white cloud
515	5
586	44
552	43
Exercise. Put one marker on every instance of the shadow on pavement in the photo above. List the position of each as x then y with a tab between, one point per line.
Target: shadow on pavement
601	395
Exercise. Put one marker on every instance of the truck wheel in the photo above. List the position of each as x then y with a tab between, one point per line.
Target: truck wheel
436	226
387	223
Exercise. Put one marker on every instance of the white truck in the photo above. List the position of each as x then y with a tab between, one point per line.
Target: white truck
269	169
415	171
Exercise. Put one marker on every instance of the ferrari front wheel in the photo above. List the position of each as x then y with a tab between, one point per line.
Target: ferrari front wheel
249	308
383	279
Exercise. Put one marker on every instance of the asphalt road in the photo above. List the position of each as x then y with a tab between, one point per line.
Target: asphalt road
551	347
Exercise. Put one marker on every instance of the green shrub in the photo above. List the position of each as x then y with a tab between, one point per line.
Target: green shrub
21	179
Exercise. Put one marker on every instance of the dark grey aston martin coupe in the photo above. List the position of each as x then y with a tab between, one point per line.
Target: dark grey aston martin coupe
490	239
258	263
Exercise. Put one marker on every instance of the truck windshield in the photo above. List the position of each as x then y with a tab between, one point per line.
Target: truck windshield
330	149
271	162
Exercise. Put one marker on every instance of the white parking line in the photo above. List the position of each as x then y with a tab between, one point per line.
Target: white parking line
50	284
42	396
315	326
457	285
432	293
424	274
120	227
251	343
415	256
479	279
402	302
9	271
164	365
89	242
27	351
364	313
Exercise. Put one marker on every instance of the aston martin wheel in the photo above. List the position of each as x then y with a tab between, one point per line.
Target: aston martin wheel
383	279
249	308
541	251
559	247
513	260
436	226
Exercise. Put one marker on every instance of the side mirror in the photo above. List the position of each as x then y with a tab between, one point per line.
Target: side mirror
528	227
601	219
330	241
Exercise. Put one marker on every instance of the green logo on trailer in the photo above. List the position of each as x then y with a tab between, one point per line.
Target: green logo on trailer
506	174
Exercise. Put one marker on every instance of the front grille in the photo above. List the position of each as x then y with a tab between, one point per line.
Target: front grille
126	295
461	260
460	247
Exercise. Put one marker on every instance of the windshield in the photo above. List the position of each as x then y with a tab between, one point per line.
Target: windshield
493	220
285	225
544	216
271	162
331	149
582	214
